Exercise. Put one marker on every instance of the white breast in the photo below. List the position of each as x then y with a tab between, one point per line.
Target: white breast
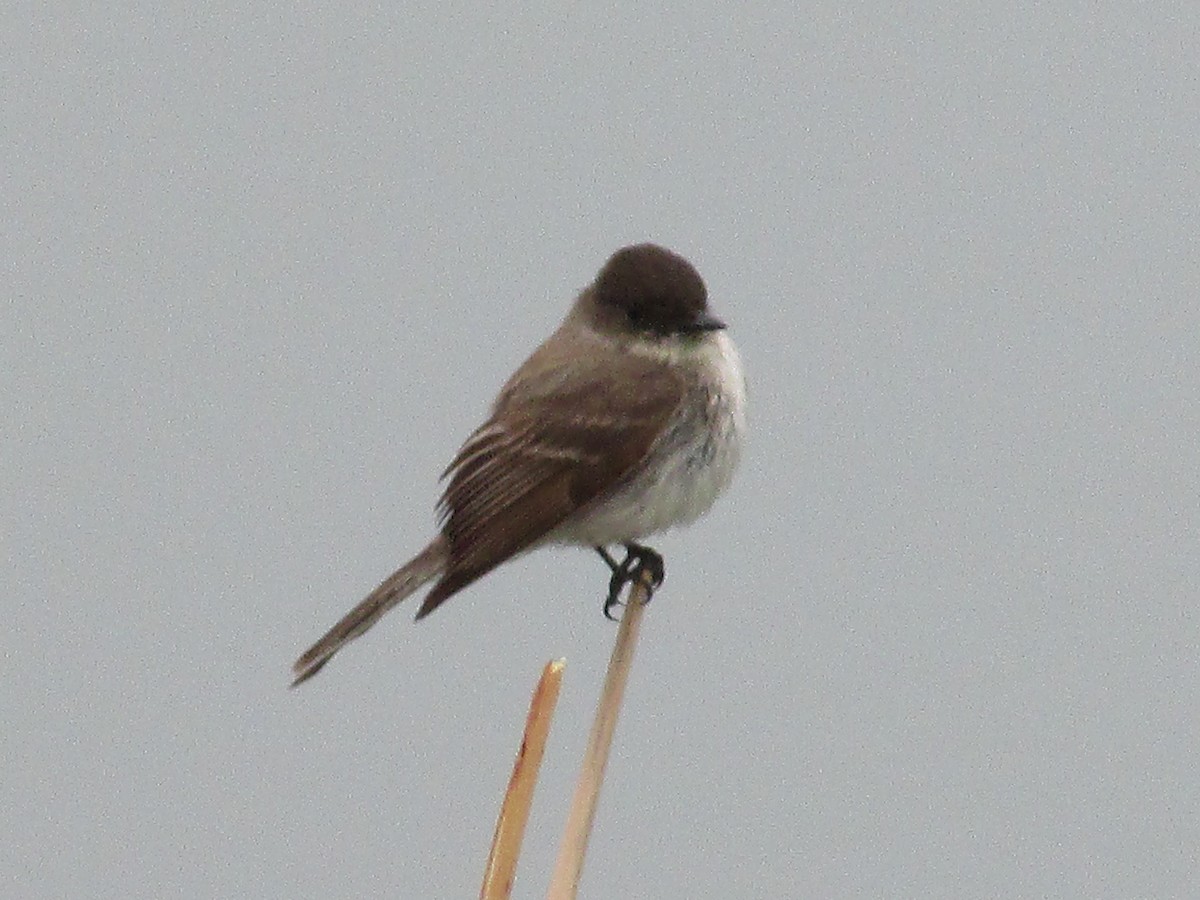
689	467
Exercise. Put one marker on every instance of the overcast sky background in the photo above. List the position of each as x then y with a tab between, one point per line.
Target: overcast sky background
264	269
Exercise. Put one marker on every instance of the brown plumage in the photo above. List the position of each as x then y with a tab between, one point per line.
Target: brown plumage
543	456
574	425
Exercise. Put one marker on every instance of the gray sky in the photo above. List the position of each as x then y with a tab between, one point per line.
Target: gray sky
264	270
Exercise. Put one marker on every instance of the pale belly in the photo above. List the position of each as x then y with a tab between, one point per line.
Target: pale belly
686	472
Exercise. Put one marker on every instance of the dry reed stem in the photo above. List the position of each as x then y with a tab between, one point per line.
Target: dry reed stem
567	869
514	811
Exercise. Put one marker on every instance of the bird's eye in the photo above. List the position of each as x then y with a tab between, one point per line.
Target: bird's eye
635	316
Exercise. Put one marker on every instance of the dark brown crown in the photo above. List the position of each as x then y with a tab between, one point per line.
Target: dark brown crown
656	290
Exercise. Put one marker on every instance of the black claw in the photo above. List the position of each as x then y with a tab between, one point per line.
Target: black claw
622	573
650	562
609	603
638	560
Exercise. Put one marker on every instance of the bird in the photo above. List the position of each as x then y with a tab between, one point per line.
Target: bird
628	420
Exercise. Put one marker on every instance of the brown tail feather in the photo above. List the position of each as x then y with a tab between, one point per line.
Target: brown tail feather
426	565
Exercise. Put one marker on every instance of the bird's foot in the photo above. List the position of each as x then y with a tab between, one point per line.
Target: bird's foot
638	560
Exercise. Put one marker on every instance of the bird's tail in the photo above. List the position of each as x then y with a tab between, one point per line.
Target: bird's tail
426	565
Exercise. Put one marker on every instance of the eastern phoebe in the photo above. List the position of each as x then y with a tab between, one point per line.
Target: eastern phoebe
628	420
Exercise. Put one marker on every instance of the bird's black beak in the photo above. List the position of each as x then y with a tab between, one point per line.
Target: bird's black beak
706	321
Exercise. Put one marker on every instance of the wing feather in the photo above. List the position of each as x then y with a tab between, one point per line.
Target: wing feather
563	433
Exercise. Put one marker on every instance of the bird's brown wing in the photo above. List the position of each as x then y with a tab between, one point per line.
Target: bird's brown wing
566	429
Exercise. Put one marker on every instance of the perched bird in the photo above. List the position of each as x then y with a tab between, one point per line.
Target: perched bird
626	421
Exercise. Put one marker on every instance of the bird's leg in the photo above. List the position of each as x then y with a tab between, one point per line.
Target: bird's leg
638	559
608	560
620	576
